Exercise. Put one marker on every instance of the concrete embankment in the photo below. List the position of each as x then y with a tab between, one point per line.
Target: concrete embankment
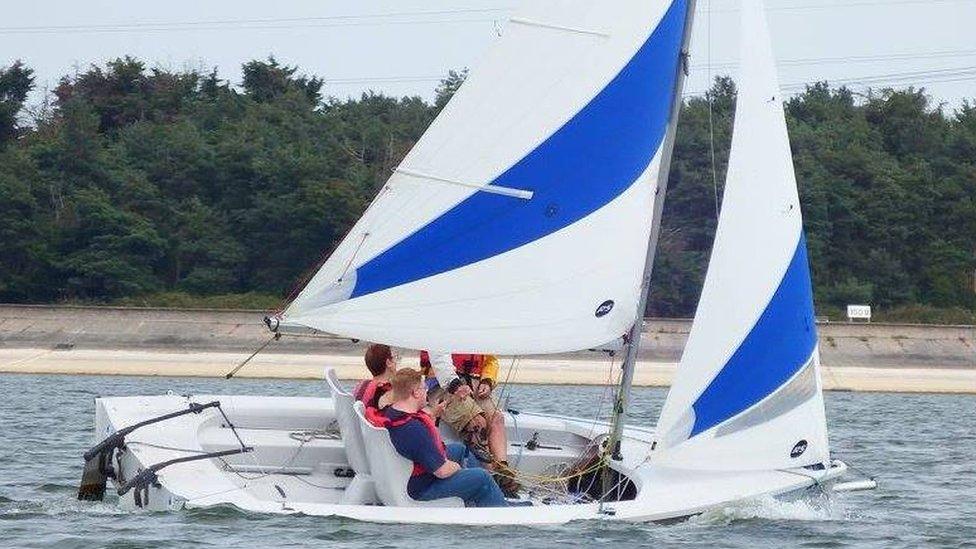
131	341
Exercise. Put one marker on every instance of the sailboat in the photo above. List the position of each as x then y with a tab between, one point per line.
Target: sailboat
525	221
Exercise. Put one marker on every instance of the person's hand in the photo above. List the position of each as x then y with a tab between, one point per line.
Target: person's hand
438	409
484	390
462	391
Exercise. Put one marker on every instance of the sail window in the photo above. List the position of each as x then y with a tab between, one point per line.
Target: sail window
800	389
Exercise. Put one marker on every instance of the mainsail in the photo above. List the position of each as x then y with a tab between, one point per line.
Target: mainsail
747	393
519	222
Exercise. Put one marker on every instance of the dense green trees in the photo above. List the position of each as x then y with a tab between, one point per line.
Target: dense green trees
147	182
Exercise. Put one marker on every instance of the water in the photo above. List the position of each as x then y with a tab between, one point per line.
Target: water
920	447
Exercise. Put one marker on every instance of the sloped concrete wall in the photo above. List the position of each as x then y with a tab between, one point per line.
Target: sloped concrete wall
39	326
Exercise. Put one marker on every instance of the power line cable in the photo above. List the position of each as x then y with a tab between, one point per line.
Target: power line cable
387	18
846	59
851	4
954	74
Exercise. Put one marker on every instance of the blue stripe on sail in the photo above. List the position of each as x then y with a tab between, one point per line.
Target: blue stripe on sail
779	345
587	163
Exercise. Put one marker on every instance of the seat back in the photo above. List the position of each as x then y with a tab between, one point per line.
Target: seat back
352	435
390	470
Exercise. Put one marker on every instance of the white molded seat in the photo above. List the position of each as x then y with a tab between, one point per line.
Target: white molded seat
390	470
362	488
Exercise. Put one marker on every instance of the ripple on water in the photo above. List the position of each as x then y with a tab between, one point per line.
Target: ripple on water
923	477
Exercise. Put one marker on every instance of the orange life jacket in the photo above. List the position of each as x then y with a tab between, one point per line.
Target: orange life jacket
379	419
468	364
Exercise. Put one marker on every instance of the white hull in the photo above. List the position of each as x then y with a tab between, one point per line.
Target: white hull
292	472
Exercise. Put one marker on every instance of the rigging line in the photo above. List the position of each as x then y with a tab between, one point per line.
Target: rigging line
711	124
232	428
861	471
816	480
162	447
352	258
503	394
233	372
266	473
309	274
603	397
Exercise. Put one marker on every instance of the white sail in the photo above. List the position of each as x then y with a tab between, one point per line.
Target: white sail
747	393
519	222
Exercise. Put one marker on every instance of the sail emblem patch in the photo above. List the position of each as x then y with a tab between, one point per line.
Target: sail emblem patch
604	308
798	449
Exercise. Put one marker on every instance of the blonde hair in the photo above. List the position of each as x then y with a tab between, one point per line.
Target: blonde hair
404	381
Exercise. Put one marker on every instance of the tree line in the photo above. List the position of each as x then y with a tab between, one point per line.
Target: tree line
140	185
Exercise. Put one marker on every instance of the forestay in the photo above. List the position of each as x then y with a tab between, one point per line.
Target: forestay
519	222
747	393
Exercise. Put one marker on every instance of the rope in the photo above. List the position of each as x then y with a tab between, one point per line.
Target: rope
248	359
503	393
816	481
860	471
162	447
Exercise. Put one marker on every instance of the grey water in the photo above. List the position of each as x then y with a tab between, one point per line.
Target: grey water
920	448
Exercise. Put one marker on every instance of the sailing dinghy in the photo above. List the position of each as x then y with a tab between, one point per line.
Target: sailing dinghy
525	221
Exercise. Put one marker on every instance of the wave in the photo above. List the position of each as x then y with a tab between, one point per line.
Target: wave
11	509
771	508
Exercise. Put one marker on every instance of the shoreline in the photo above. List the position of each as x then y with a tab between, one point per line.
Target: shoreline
530	371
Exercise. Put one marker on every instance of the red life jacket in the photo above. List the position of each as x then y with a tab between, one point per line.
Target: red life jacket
466	364
370	391
379	419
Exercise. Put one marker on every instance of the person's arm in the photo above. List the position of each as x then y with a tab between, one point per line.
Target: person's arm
443	367
421	448
489	376
448	469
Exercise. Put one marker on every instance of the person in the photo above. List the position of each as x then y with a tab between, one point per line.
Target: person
381	362
472	412
440	470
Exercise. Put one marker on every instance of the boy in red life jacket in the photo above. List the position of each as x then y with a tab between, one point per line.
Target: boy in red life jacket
472	411
382	364
439	471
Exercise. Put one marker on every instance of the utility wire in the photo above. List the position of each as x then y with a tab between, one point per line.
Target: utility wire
955	74
124	29
487	15
852	4
387	18
846	59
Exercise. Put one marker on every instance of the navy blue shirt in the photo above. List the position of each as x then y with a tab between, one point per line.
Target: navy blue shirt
413	441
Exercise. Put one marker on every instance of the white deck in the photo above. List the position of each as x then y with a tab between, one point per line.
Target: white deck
292	472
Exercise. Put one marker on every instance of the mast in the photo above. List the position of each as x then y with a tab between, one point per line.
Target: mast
633	338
